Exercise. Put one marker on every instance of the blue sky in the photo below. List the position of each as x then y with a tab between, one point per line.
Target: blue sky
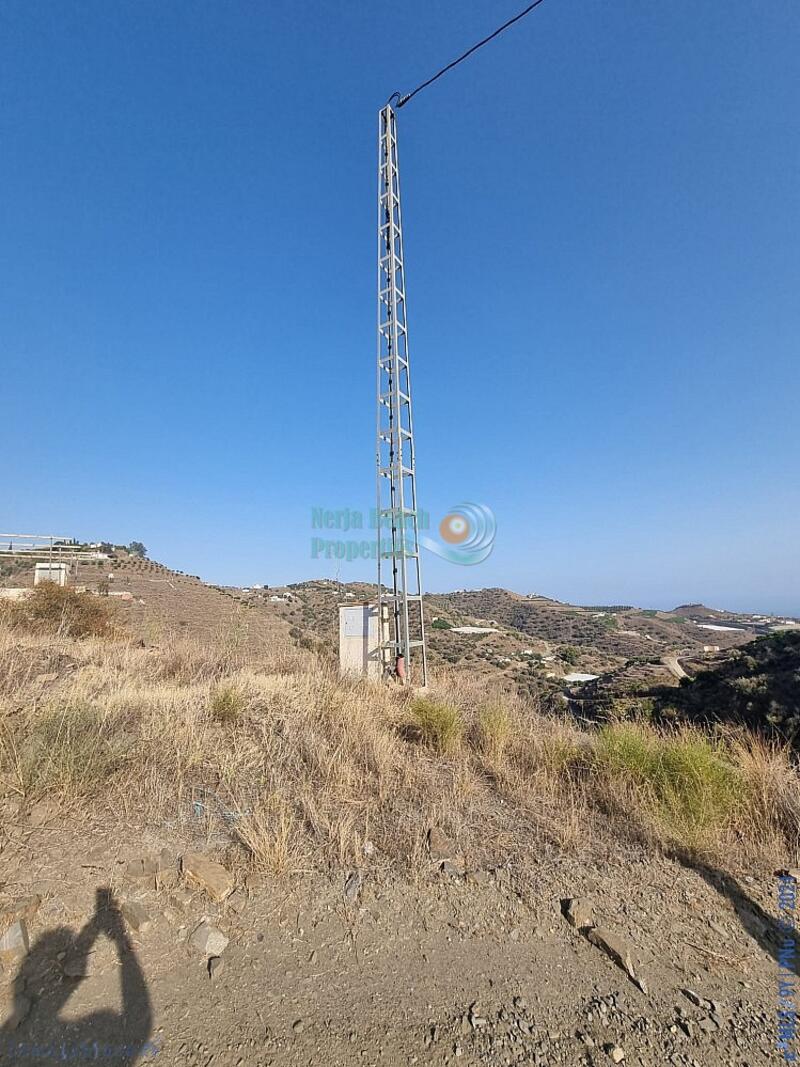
602	222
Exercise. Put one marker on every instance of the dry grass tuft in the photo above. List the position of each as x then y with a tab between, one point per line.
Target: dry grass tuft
495	730
272	836
440	724
684	783
226	703
70	751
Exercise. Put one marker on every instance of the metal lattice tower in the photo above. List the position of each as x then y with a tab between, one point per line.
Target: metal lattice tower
398	530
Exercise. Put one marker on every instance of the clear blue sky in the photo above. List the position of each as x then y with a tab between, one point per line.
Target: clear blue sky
602	216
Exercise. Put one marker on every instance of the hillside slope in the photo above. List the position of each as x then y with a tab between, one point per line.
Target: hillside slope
618	631
758	685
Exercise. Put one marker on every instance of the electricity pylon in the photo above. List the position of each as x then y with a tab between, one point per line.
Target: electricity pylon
403	651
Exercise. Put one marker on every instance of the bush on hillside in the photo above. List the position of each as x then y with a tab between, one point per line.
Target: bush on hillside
56	609
226	703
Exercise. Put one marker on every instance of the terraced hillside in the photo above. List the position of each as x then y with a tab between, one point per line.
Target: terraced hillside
167	603
617	631
542	646
159	604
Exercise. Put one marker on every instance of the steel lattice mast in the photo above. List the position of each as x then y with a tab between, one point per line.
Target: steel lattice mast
397	515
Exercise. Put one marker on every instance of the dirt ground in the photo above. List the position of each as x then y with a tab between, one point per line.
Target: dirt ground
433	969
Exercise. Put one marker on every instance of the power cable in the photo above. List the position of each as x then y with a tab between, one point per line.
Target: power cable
403	99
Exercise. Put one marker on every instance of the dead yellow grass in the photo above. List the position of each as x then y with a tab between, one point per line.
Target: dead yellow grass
302	769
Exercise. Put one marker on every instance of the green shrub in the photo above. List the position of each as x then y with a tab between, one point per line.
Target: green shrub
441	724
687	781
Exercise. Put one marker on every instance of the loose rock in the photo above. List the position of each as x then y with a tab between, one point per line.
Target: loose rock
479	877
136	916
237	901
22	910
578	913
614	947
209	940
708	1025
439	844
14	944
143	869
167	876
211	876
453	868
352	886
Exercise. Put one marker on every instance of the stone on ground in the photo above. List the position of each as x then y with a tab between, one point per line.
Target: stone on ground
209	875
352	886
615	947
19	910
136	916
14	943
453	868
479	877
578	913
439	844
209	940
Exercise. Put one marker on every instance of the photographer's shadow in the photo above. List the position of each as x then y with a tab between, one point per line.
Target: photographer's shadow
35	1034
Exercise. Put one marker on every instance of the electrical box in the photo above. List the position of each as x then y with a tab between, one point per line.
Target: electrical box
360	639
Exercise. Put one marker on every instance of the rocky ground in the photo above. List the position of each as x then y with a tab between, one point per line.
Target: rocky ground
148	947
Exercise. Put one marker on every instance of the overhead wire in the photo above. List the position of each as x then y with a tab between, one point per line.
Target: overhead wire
403	99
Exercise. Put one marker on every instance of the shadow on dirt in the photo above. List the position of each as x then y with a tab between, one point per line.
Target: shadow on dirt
765	929
35	1035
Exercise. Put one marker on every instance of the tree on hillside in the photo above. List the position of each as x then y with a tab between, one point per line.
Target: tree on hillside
136	548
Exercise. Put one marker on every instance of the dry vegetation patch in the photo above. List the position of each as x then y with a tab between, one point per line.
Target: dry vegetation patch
59	610
302	769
